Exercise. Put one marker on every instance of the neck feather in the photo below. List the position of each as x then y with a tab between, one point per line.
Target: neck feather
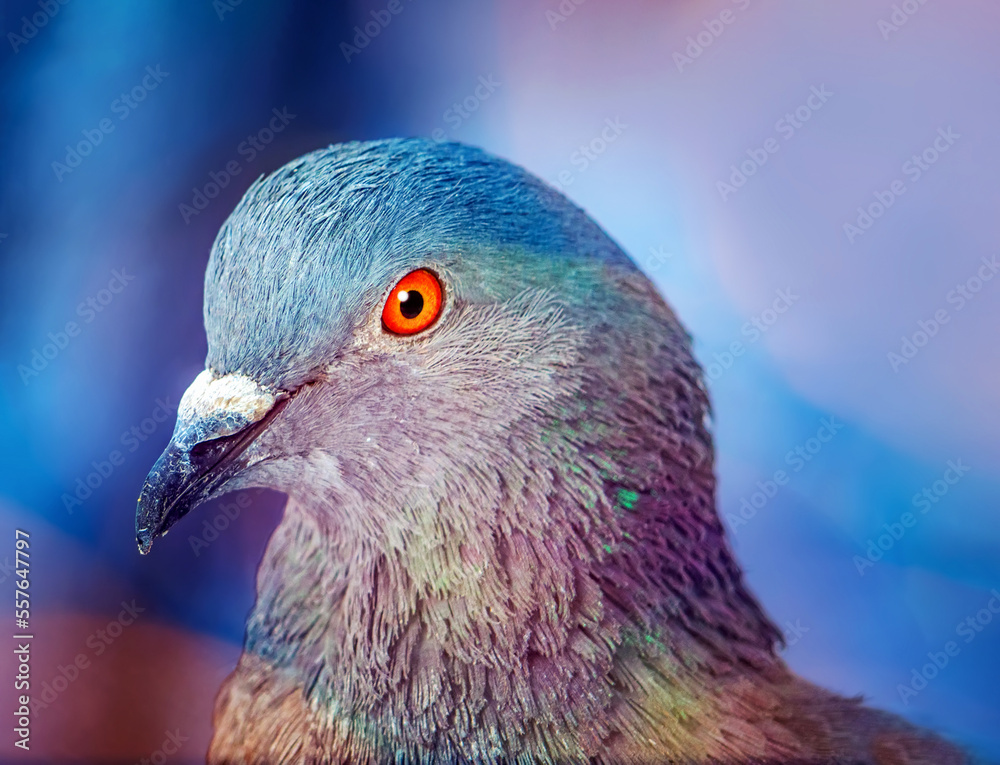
546	641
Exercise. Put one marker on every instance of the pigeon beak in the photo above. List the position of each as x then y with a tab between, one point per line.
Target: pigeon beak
217	420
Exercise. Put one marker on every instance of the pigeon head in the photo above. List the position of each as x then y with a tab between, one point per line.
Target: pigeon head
492	434
529	333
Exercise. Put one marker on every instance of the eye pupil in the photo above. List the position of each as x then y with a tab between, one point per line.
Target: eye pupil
411	305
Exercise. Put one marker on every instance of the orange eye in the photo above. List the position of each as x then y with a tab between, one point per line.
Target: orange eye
414	303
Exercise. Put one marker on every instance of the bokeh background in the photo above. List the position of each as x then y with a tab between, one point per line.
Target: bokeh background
115	234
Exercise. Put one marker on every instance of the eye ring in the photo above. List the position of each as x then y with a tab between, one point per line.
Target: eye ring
413	304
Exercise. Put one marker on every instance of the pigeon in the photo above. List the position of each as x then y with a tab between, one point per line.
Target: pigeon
500	542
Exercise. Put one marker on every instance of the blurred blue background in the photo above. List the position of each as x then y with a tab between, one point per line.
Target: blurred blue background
812	185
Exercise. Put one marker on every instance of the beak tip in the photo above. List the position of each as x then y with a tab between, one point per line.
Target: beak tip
144	539
184	477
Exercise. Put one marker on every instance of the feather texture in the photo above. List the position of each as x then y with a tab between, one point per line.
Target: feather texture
501	542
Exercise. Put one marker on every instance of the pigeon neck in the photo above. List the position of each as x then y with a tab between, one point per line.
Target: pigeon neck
547	632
